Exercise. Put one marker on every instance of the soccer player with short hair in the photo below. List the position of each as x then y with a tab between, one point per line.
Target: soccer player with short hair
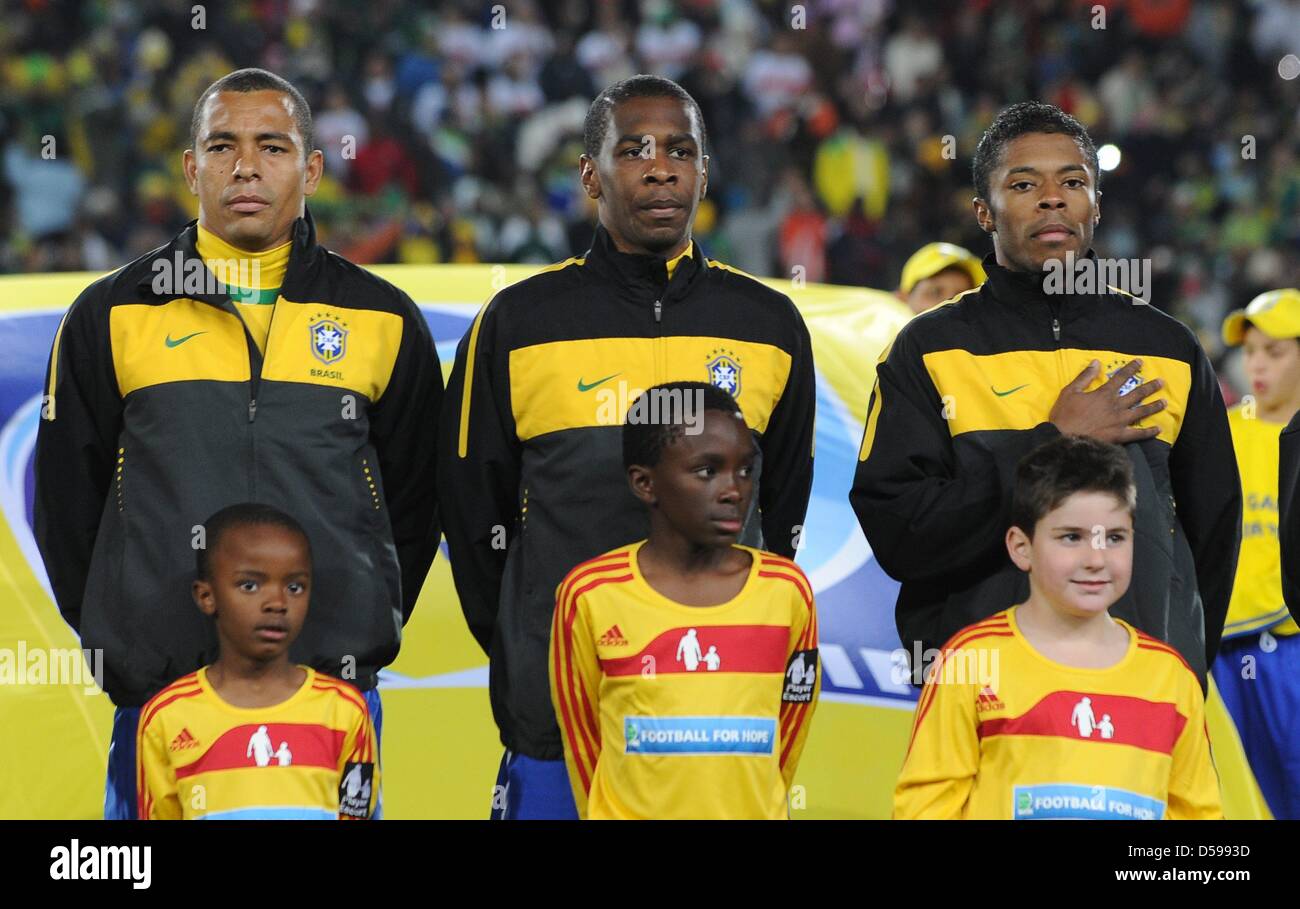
968	388
530	478
684	666
255	736
240	361
1260	633
1052	708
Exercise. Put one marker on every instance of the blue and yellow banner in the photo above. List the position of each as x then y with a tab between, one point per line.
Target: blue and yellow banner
440	747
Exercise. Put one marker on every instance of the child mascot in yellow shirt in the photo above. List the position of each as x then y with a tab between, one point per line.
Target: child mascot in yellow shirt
1052	708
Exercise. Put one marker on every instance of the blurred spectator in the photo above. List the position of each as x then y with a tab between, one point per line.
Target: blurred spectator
381	162
1277	25
47	185
563	77
777	78
912	56
802	236
340	131
666	42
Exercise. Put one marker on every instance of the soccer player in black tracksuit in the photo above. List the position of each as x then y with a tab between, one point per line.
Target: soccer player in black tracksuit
531	480
970	387
308	384
1288	514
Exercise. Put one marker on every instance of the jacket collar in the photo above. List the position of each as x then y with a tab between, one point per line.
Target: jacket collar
178	276
1028	289
644	278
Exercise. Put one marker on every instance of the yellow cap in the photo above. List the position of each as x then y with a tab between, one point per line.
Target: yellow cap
1275	312
933	258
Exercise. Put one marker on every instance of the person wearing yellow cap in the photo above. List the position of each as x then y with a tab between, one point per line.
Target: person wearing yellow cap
1258	670
938	272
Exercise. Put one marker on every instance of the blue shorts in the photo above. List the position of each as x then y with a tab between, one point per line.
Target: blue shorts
531	790
120	797
1264	706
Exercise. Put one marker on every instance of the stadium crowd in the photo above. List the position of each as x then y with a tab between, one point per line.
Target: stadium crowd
841	131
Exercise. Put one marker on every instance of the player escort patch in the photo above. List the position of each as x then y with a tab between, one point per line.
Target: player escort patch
354	791
800	677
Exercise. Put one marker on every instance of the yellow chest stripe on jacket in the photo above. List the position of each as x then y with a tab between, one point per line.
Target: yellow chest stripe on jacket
177	341
313	343
1016	390
591	382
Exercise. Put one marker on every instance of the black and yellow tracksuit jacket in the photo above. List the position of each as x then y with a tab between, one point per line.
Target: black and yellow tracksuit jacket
531	478
161	410
965	391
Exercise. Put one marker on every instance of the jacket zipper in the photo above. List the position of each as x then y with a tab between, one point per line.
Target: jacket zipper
256	360
1056	336
659	341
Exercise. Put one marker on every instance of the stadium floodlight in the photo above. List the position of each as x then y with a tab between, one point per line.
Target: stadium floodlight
1108	157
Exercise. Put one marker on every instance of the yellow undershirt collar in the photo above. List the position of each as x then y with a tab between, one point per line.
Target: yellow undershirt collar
672	263
240	268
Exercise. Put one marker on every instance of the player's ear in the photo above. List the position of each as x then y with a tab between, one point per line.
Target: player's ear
202	592
983	215
1020	548
588	176
315	168
704	176
643	485
190	167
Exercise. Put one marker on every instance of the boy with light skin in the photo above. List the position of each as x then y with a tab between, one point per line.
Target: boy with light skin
1016	739
1073	580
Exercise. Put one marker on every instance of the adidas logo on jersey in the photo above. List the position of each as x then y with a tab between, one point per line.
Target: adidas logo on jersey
988	700
184	740
612	638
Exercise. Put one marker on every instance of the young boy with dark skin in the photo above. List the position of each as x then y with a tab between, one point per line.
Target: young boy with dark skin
697	496
256	589
686	643
206	744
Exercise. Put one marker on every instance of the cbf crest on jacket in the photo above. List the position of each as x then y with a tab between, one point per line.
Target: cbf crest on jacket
162	410
531	472
965	391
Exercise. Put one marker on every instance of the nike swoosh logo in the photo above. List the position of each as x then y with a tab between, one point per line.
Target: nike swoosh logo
583	386
179	341
1003	394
